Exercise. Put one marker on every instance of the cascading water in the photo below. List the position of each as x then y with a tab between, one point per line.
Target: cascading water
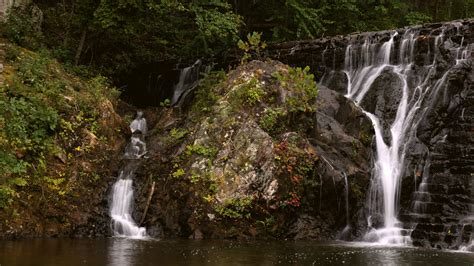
188	80
122	193
363	64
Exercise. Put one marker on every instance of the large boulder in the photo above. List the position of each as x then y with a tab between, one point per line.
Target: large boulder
268	159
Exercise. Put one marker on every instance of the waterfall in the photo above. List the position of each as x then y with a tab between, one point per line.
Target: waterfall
347	229
122	193
188	80
363	64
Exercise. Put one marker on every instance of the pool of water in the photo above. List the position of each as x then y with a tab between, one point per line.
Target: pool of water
119	251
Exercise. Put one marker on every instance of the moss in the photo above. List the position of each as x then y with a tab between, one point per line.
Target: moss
209	152
235	208
365	135
357	191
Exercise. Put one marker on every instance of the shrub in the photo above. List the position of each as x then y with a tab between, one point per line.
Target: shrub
252	47
206	93
270	118
250	92
301	87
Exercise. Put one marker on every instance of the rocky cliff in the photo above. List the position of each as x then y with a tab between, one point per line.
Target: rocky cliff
436	195
256	155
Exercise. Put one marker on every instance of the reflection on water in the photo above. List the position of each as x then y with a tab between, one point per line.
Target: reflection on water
127	252
121	252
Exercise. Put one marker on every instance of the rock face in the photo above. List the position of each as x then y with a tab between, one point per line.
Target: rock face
443	161
261	162
437	191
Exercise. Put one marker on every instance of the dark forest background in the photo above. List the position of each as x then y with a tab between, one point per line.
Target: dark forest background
113	36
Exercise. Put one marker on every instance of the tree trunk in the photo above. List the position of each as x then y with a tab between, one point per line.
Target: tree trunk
150	195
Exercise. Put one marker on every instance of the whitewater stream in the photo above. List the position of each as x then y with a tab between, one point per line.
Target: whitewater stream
363	65
121	207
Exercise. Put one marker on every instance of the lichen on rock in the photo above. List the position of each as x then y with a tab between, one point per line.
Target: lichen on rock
258	158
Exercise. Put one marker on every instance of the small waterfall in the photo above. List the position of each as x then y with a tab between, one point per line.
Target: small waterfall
346	231
188	80
363	64
422	195
468	222
139	124
122	193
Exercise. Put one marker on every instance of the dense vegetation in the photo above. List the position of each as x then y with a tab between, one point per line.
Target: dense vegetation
113	36
48	116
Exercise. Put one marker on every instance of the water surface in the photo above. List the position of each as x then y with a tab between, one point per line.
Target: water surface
120	251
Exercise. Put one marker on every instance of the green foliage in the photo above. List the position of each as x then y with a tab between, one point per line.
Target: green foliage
306	19
178	173
250	92
118	35
165	103
215	25
176	136
270	118
234	208
253	46
209	152
53	183
123	34
206	93
43	112
11	53
178	133
416	18
302	87
6	196
194	178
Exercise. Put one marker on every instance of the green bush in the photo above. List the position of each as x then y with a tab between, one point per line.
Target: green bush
252	47
206	93
250	92
270	118
235	208
301	87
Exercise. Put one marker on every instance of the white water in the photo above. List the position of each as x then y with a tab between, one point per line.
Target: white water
363	65
122	195
123	223
188	79
139	124
347	229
